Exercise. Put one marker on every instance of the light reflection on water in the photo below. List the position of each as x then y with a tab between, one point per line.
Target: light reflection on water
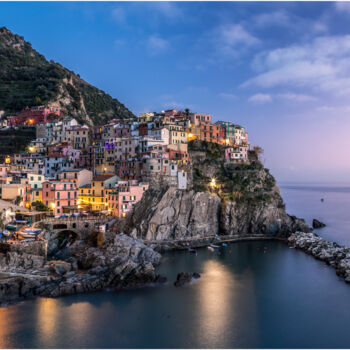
215	297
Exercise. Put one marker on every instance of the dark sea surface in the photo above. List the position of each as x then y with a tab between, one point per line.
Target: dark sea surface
251	295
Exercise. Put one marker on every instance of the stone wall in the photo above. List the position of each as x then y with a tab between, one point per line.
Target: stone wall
38	248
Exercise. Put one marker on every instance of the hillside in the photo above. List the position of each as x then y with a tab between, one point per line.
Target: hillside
28	79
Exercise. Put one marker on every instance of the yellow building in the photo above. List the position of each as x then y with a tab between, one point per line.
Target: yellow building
37	194
194	132
177	134
145	117
94	197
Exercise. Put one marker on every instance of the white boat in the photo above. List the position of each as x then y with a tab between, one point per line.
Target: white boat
214	246
211	249
6	233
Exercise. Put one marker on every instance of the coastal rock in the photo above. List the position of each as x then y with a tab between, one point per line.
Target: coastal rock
175	215
331	253
317	224
121	262
185	277
192	218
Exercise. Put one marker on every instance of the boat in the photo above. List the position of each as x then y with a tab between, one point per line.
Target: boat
224	244
6	233
193	251
322	200
211	248
28	233
11	227
214	246
23	235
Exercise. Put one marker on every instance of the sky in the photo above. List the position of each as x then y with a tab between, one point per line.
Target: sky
281	69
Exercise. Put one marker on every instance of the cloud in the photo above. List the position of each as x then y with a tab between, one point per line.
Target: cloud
225	42
227	96
235	34
321	64
343	7
271	18
118	15
260	98
297	97
156	44
167	9
287	20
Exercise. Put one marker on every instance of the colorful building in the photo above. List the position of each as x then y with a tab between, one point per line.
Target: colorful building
123	198
60	196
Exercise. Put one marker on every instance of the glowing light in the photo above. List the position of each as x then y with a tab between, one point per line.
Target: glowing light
7	160
213	182
31	149
53	205
123	215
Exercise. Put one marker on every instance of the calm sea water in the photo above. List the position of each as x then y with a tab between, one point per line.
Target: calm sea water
248	297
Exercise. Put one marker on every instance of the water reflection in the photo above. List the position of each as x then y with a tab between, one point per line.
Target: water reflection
215	297
48	314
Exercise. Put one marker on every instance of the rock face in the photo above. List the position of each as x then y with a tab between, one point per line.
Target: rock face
175	214
121	262
331	253
317	224
172	214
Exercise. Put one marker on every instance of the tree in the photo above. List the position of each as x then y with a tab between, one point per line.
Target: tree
18	200
37	101
258	151
39	206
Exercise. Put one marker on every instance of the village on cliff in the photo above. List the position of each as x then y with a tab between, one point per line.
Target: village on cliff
73	170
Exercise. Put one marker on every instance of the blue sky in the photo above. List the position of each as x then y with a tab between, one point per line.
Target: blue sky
280	69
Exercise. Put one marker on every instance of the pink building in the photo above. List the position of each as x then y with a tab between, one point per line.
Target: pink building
60	196
35	115
198	119
237	154
126	195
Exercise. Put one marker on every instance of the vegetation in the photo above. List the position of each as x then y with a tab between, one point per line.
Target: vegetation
39	206
15	140
236	182
28	79
18	200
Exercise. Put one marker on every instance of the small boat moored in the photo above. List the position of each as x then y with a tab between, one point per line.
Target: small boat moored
214	246
211	248
224	244
193	251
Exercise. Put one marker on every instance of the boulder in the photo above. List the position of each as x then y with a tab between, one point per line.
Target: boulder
185	277
60	267
317	224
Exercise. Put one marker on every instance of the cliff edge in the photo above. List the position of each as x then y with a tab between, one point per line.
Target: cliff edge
222	201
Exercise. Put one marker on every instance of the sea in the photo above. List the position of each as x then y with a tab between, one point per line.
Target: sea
250	295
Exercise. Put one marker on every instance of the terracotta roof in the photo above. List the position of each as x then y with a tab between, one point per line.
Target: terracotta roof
102	177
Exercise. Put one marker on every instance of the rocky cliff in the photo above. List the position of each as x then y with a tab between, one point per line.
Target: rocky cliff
121	262
244	202
28	79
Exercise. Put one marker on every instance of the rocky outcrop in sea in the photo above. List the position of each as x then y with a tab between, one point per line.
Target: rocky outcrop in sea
121	262
331	253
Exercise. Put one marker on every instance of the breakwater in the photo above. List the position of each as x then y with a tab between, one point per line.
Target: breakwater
331	253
